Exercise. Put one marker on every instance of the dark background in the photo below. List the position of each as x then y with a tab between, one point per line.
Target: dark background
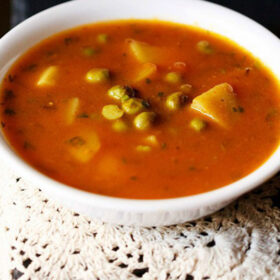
266	12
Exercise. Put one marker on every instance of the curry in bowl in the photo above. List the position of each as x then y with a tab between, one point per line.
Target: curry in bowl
141	109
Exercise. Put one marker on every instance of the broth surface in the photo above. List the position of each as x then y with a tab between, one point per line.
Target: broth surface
180	159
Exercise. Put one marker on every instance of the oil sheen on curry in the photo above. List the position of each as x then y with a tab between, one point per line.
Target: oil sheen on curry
141	109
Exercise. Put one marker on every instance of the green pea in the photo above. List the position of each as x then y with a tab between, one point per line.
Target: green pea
174	100
112	112
186	88
173	77
197	124
118	92
143	148
151	139
102	38
88	51
204	47
97	75
125	98
144	120
132	106
120	126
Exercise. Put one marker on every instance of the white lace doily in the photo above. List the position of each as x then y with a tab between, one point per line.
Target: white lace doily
42	240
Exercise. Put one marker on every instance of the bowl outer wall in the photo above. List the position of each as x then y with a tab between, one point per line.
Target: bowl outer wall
245	32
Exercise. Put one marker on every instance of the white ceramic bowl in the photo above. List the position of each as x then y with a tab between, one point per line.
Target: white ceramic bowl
240	29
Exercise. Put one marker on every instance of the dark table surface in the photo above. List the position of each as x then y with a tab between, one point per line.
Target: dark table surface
266	12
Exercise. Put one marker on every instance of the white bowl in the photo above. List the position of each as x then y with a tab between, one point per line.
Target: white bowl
237	27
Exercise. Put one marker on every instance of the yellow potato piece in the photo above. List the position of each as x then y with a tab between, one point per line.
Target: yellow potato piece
82	148
152	140
144	52
219	104
72	108
48	77
109	166
146	70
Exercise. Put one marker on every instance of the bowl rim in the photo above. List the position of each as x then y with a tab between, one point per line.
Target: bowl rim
228	192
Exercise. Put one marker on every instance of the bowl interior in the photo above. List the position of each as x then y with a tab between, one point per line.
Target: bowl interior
245	32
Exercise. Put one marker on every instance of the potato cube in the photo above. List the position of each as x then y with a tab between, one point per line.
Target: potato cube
72	107
48	77
218	104
109	167
84	147
146	71
152	140
144	52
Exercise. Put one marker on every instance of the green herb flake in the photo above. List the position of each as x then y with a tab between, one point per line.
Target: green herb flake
50	53
163	146
83	116
76	141
192	168
9	112
11	78
137	31
31	67
248	70
271	115
89	51
148	81
8	94
238	109
133	178
146	103
132	92
69	40
28	146
236	175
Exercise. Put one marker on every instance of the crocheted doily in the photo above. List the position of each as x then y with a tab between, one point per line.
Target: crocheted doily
40	239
